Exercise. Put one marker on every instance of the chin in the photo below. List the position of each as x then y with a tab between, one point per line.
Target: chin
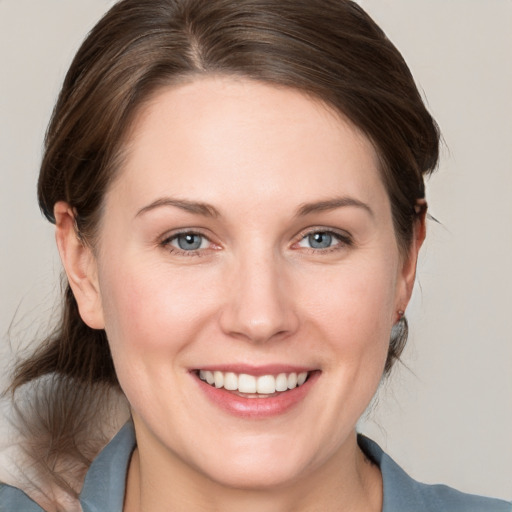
259	462
254	475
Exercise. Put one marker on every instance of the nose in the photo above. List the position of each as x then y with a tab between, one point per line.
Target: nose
259	301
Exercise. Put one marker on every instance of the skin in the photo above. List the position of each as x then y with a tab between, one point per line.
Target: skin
256	293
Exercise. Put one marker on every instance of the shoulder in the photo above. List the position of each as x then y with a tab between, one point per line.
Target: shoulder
444	498
401	492
15	500
103	487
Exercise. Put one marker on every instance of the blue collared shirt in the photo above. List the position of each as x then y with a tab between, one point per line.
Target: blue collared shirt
105	482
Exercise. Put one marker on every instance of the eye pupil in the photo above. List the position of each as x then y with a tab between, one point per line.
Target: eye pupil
189	242
320	240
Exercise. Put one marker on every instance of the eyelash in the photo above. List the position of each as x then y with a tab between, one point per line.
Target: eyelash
166	244
344	241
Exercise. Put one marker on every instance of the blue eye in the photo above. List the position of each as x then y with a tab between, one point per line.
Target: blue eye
323	240
189	242
320	240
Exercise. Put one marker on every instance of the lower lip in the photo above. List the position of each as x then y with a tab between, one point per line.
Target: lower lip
257	407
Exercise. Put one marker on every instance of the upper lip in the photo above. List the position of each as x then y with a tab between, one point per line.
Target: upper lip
267	369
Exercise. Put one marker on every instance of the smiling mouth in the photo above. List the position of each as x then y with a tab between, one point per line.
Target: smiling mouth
250	386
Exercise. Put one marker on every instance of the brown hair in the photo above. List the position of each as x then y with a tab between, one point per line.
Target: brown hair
329	49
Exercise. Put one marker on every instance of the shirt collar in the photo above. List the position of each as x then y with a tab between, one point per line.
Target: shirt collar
105	482
400	491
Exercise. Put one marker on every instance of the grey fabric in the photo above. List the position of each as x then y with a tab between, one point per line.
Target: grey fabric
402	493
105	481
104	485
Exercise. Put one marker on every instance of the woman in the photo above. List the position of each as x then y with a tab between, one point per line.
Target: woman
238	195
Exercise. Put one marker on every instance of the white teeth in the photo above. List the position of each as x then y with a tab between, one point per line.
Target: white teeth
218	378
292	380
266	384
230	381
282	382
207	376
246	383
301	378
260	387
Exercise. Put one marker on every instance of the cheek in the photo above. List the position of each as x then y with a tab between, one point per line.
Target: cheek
353	319
359	300
150	310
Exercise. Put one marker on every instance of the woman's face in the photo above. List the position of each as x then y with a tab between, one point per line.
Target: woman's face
248	239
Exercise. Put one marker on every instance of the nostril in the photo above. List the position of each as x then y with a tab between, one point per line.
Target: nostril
258	307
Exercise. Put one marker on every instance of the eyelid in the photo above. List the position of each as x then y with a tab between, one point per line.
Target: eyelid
165	240
344	237
339	233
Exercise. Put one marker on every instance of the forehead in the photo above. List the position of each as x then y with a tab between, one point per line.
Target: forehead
217	137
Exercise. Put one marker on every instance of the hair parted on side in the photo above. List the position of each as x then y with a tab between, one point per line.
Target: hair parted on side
328	49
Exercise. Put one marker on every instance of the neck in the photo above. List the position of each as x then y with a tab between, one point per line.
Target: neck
346	482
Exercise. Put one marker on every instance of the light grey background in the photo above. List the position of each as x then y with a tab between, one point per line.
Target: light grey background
448	415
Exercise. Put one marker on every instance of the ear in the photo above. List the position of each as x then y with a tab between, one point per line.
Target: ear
408	268
80	266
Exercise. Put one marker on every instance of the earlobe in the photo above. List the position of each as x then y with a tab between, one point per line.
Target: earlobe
80	265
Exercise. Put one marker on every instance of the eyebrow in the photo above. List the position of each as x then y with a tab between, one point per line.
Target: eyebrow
208	210
195	207
332	204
